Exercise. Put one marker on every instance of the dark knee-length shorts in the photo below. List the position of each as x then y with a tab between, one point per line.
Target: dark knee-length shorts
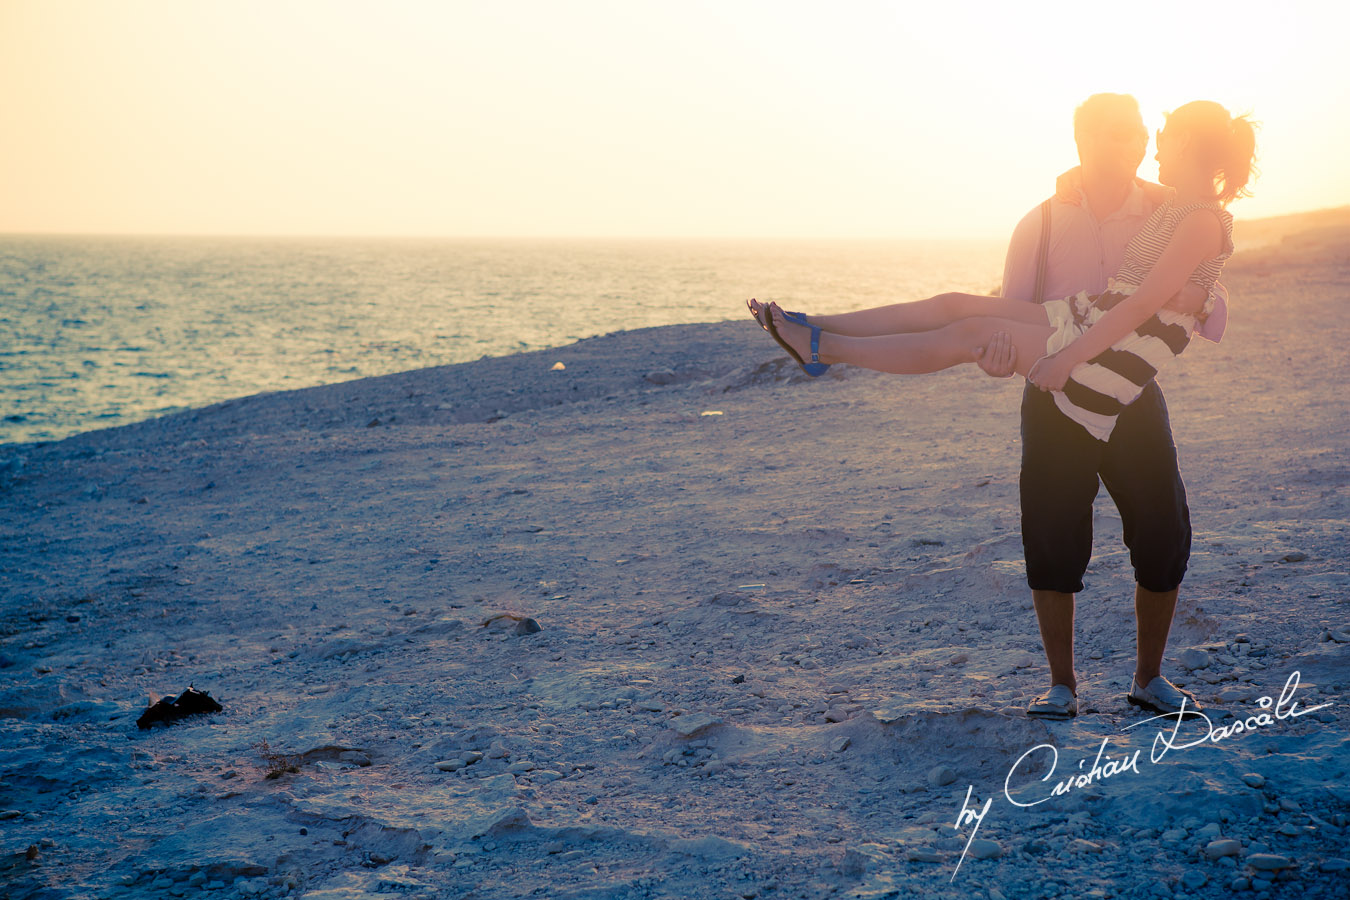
1061	468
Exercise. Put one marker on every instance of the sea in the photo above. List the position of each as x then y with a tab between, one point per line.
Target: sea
99	331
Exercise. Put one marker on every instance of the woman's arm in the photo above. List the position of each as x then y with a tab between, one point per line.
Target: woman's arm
1198	237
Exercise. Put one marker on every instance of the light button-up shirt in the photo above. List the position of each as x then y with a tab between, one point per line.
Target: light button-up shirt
1085	252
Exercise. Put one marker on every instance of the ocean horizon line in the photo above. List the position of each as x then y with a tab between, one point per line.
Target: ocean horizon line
505	238
990	235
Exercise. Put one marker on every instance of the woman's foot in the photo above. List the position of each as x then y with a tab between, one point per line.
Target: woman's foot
760	311
801	340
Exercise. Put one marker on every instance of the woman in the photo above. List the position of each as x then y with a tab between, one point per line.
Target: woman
1096	353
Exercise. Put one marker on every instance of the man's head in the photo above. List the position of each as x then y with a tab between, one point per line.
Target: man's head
1111	136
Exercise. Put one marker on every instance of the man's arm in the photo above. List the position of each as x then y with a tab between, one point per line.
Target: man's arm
1019	266
999	357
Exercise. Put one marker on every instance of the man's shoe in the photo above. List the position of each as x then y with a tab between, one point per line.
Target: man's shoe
1162	696
1060	702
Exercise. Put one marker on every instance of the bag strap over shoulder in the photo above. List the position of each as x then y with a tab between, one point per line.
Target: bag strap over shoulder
1043	253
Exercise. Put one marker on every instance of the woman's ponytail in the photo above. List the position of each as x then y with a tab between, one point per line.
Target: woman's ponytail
1238	165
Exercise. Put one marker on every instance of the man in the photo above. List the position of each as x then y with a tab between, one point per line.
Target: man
1061	462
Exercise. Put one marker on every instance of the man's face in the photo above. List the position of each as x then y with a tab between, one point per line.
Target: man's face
1115	148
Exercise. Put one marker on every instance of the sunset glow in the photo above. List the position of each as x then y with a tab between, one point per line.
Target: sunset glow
644	119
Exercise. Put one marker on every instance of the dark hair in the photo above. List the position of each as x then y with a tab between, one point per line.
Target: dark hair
1099	111
1226	144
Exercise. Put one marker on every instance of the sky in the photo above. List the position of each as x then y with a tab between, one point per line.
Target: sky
639	118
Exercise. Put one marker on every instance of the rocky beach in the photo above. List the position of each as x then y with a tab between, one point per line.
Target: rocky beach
655	615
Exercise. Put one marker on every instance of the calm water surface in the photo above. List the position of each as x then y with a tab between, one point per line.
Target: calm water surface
100	331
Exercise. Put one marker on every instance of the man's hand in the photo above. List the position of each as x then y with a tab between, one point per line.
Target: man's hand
1189	300
999	358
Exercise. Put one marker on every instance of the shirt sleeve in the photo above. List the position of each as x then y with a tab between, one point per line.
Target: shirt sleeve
1019	268
1212	327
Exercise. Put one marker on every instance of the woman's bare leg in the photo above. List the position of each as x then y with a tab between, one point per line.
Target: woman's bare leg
925	351
927	315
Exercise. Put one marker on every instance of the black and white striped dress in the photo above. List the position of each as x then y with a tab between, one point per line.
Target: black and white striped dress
1099	389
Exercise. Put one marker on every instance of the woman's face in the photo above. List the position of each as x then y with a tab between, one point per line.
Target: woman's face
1170	146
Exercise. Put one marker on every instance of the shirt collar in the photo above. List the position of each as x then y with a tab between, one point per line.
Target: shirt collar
1136	204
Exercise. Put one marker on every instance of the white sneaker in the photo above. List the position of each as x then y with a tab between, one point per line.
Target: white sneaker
1060	702
1162	696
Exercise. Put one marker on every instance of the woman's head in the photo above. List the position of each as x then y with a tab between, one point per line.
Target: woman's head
1203	139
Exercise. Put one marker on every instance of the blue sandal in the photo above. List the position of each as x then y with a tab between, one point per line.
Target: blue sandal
815	368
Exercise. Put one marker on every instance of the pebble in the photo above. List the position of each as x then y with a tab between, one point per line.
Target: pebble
1209	832
1289	805
940	776
689	725
450	765
523	765
980	848
1193	658
1268	862
1335	864
922	854
1193	879
1080	845
1221	848
1239	884
853	865
1251	779
840	744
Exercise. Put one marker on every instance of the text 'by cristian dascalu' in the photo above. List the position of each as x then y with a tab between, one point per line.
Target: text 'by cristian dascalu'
1105	766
